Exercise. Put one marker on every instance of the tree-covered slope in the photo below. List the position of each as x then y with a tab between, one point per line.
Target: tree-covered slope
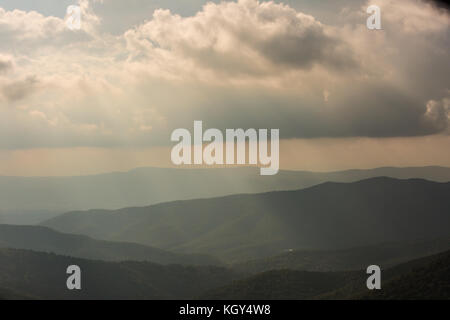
385	255
328	216
39	238
43	276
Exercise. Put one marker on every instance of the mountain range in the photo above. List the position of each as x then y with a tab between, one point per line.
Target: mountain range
311	243
35	275
358	258
235	228
30	200
38	275
43	239
425	278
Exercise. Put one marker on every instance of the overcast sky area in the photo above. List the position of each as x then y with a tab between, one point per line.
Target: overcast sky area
108	96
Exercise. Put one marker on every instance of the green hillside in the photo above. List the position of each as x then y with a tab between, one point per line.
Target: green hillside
43	276
385	255
282	285
39	238
329	216
423	282
34	275
6	294
30	200
426	278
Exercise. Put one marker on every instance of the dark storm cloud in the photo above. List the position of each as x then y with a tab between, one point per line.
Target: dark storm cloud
18	90
440	3
371	111
306	49
5	66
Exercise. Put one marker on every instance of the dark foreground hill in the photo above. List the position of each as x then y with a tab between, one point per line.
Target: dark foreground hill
6	294
30	200
43	276
39	238
282	285
33	275
426	278
329	216
428	282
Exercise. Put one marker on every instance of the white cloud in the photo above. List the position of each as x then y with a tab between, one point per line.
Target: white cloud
245	63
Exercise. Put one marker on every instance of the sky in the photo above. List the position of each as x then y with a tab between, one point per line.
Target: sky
108	96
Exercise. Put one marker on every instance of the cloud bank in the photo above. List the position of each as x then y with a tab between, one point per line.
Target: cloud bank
248	64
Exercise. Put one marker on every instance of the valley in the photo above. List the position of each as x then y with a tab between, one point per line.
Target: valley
311	243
